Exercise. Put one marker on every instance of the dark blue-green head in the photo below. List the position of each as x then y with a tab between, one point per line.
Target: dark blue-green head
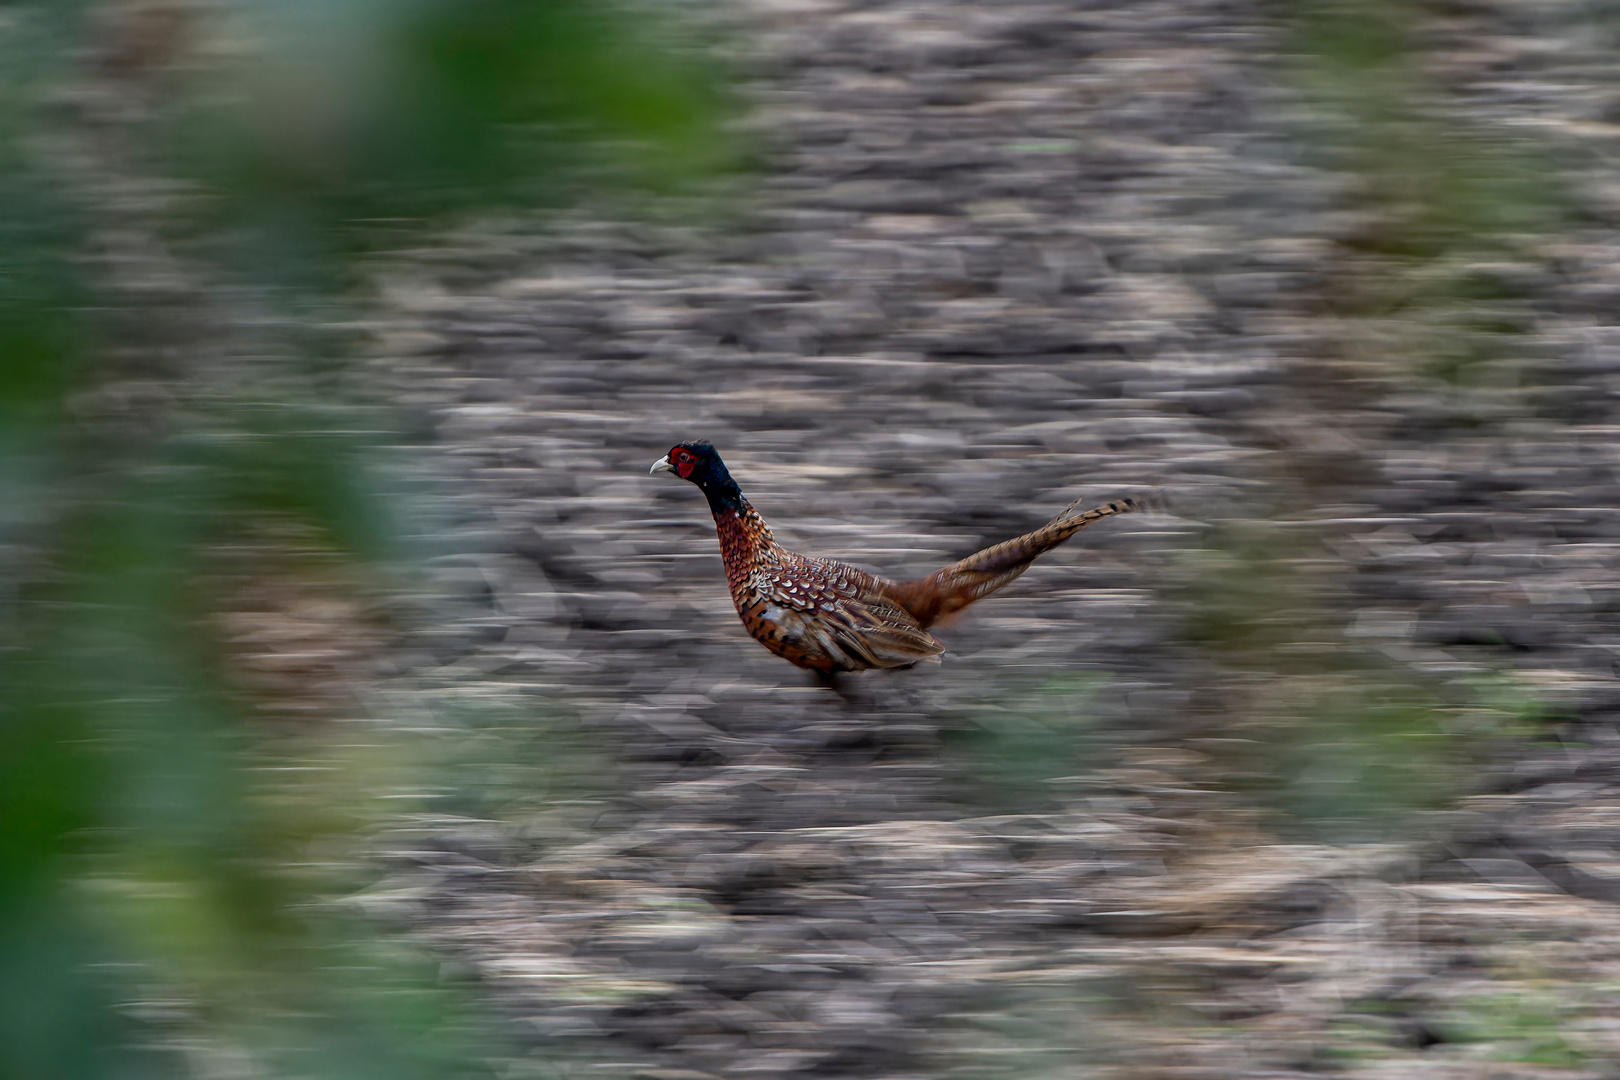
698	463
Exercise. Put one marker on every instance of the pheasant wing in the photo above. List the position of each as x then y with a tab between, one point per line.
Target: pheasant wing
879	633
844	614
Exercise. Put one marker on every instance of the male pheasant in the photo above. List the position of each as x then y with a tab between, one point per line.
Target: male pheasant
829	616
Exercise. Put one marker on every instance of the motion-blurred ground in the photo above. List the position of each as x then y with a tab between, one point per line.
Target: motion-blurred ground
1201	796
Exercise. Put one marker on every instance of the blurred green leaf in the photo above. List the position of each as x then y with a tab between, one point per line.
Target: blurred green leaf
351	119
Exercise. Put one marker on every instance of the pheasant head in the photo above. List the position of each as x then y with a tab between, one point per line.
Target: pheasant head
698	463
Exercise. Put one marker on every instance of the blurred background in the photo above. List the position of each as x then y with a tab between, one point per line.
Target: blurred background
366	710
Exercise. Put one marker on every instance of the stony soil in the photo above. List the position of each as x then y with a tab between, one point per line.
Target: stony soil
1003	256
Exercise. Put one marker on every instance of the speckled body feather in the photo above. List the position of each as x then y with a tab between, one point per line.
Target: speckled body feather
817	613
829	616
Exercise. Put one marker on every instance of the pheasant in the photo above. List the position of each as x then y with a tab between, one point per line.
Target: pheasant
828	616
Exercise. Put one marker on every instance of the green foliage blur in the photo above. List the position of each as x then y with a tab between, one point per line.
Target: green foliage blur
186	190
1021	746
1340	737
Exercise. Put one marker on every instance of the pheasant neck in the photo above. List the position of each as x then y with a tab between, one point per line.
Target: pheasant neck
723	494
745	540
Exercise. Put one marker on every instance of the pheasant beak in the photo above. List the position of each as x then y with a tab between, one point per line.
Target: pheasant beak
661	465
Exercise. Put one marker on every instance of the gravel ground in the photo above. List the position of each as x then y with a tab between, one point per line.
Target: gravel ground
1002	257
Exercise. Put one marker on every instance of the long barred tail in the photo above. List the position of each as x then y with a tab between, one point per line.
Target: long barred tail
1068	518
952	588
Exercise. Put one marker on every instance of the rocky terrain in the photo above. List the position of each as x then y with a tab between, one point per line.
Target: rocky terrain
1000	257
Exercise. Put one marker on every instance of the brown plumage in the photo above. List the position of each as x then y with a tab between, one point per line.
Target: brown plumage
829	616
